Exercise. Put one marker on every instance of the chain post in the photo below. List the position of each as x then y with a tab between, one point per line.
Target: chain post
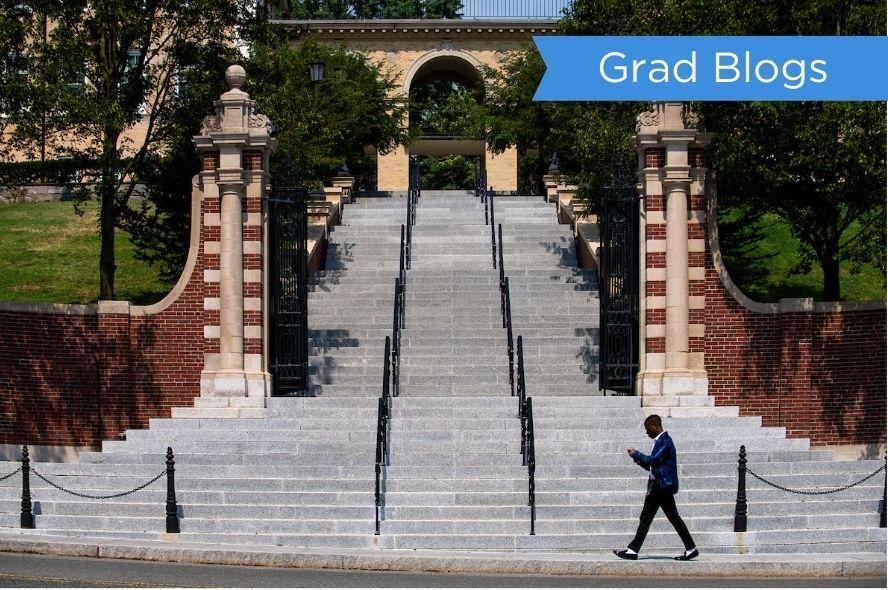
740	508
884	498
172	509
27	521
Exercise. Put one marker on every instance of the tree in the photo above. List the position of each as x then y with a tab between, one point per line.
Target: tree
343	9
102	86
320	125
14	20
819	166
591	139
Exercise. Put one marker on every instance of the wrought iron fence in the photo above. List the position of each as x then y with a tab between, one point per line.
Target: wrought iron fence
288	306
618	285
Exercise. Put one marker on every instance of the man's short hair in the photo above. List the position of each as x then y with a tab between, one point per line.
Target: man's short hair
655	420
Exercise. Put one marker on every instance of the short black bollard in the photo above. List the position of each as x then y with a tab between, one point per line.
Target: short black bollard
740	510
172	510
27	509
884	498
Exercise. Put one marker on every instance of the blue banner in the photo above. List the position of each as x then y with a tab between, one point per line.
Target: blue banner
713	68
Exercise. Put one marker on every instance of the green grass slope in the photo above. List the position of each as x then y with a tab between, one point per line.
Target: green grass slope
49	254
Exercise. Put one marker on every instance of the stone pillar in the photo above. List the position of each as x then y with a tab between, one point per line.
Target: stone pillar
551	182
230	378
234	145
393	170
672	378
502	169
347	184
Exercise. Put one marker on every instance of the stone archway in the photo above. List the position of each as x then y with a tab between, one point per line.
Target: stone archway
430	82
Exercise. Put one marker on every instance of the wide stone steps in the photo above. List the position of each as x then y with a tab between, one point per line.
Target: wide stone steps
303	476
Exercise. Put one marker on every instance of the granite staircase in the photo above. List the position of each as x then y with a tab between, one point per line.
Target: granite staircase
302	476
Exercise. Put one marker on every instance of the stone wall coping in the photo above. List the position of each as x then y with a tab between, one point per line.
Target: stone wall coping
787	305
108	306
190	262
49	308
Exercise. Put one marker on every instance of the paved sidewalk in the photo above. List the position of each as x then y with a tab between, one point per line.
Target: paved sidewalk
789	565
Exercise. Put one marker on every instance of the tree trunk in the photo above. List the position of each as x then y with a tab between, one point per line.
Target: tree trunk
108	213
831	284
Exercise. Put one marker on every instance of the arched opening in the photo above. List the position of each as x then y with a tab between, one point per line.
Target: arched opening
444	92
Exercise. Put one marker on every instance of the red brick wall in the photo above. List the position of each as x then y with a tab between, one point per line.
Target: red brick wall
49	379
821	375
79	379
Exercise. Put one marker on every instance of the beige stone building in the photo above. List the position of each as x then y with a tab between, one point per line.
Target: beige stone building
415	51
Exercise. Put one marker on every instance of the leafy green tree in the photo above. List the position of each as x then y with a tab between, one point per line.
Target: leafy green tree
590	139
320	125
447	172
103	70
15	19
343	9
819	166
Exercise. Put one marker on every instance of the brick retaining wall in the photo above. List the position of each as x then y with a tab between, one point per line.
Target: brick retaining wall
817	369
75	375
49	377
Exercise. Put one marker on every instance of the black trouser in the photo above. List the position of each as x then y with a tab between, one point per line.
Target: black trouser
654	500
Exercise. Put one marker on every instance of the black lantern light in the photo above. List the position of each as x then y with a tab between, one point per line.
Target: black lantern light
316	69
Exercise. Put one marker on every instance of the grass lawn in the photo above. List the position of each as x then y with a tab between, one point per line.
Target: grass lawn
49	254
778	281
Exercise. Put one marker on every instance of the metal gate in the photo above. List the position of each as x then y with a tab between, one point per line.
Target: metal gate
618	286
288	292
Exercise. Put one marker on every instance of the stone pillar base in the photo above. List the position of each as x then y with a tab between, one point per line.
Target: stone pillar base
229	394
681	394
223	407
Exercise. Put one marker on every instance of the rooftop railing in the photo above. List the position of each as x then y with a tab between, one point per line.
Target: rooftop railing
471	10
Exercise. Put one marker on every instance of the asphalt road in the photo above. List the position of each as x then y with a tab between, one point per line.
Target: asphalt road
38	571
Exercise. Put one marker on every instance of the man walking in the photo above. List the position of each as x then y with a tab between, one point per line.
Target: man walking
662	486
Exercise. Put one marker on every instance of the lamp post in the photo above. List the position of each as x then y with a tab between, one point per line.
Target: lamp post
316	70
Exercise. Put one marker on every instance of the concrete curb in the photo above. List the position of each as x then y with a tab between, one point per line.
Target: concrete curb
575	564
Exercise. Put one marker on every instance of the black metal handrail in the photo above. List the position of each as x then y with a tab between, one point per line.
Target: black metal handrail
522	397
506	310
397	324
492	229
510	344
530	452
382	418
528	447
405	243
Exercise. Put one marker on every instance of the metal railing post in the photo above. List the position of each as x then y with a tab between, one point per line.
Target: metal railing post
492	231
510	345
531	466
27	520
740	508
522	414
395	341
172	508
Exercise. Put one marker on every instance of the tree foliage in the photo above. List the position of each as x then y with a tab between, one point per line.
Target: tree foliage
96	71
343	9
323	124
819	166
590	139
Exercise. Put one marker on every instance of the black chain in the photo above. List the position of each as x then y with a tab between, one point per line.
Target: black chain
817	493
5	477
121	494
